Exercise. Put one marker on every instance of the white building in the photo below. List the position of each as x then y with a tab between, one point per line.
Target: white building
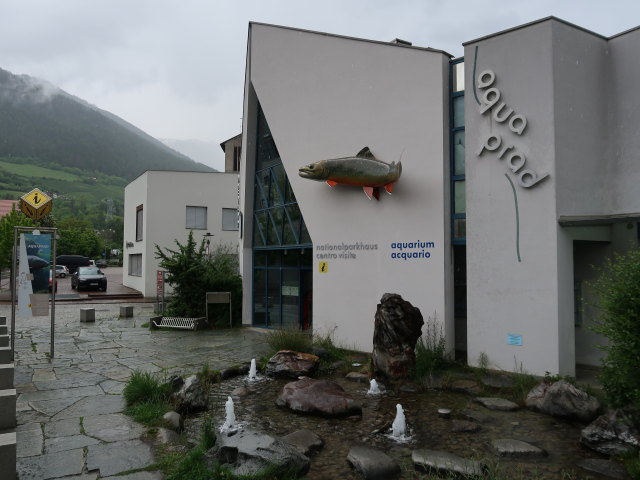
495	243
164	206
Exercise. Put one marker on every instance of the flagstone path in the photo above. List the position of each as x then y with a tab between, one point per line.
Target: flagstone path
69	408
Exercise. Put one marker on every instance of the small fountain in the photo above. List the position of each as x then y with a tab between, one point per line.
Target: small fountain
399	425
373	388
230	420
253	371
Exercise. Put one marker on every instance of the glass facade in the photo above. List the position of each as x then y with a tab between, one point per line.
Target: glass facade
457	140
282	277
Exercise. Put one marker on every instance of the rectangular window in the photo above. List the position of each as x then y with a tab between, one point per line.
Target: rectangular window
196	218
229	219
236	159
135	264
139	223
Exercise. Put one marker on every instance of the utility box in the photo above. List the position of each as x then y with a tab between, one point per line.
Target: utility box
87	315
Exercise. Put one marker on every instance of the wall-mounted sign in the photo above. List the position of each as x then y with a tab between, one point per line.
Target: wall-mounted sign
36	204
364	170
516	160
513	339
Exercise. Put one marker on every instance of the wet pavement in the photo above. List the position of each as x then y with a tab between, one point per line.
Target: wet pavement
69	408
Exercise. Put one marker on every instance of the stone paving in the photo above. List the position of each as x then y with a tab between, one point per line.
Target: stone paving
69	408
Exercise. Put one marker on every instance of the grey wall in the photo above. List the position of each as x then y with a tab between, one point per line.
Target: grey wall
325	97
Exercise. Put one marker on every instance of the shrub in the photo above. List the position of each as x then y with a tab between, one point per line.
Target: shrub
618	291
290	339
145	387
431	351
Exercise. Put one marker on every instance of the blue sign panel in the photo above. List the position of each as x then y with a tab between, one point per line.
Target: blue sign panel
513	339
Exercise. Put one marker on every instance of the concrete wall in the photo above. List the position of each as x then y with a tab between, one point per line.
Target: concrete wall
166	196
512	252
325	97
135	194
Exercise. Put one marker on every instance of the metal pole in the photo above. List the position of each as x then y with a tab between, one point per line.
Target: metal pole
54	284
13	291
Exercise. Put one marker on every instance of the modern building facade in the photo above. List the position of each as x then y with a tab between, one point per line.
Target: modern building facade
162	207
495	243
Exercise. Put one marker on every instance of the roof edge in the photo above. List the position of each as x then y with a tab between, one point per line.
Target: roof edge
529	24
346	37
624	33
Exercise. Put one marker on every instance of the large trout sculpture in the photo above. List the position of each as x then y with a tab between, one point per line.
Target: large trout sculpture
363	170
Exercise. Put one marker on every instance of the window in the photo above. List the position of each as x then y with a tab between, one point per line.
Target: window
135	264
197	218
139	223
236	158
229	219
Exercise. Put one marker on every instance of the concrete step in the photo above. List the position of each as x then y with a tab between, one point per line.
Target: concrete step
5	355
8	455
6	375
7	408
4	340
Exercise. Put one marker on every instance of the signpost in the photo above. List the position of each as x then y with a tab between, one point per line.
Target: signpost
37	255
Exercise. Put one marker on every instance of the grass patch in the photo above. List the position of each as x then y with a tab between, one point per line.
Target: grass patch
290	339
148	413
145	325
145	387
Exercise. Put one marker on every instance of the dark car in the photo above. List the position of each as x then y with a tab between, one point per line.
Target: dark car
72	262
89	278
101	264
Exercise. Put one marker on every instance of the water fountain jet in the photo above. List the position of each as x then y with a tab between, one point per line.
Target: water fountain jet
253	370
230	419
399	425
373	388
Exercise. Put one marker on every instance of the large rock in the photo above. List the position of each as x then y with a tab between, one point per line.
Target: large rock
494	403
305	441
319	397
290	364
429	460
509	447
603	467
397	328
372	464
613	433
247	452
192	396
562	399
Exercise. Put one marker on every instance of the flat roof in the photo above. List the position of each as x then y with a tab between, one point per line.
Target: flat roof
529	24
378	42
581	220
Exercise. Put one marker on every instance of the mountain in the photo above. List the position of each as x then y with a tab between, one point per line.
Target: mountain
42	122
201	151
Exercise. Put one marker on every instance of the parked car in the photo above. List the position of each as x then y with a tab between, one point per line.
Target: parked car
90	278
61	271
101	264
72	262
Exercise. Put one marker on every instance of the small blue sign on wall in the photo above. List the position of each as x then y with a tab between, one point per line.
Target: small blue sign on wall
513	339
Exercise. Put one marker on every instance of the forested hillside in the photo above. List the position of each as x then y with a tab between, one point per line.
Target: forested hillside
41	122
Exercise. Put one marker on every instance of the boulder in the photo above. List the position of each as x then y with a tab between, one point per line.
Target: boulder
192	396
165	435
305	441
397	328
246	452
290	364
466	386
493	403
240	392
613	433
357	377
173	420
429	460
372	464
508	447
319	397
603	467
562	399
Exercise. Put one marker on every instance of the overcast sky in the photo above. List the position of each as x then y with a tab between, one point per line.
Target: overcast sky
175	69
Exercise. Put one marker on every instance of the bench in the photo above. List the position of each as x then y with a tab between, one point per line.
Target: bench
182	323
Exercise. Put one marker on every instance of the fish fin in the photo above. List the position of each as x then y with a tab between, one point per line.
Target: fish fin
368	191
389	188
365	153
332	183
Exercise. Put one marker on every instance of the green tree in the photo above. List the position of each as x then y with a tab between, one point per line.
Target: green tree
618	291
10	220
192	273
77	237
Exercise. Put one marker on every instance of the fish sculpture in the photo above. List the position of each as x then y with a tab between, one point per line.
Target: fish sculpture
363	170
